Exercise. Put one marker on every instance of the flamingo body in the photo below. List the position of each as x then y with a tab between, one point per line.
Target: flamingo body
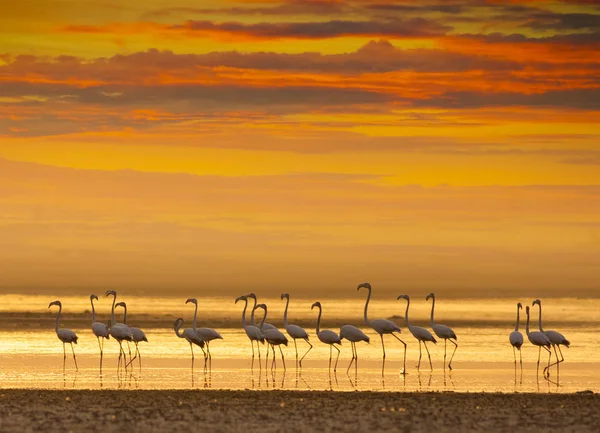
516	339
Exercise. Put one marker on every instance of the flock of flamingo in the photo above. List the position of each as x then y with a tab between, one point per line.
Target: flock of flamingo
268	333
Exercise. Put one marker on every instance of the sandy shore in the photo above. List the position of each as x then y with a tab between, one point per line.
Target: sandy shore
270	411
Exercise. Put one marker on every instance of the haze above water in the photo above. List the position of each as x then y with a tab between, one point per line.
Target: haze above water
31	355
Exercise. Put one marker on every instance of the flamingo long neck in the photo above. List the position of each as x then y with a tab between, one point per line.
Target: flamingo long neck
113	322
93	310
432	310
517	325
252	315
406	314
195	314
57	317
527	323
319	319
285	322
366	308
262	322
244	314
124	313
178	329
540	318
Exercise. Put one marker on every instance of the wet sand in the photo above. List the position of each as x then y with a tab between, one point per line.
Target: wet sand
295	411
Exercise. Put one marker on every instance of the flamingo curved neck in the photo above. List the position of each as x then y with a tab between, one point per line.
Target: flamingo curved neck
285	321
319	319
113	322
366	308
125	314
93	310
262	322
57	317
244	314
178	329
540	318
406	314
432	310
195	314
517	325
252	314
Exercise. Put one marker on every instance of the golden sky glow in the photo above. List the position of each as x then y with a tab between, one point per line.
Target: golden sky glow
447	145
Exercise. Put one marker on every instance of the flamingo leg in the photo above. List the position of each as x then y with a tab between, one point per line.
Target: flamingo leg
352	360
274	362
445	344
282	357
452	356
336	359
309	349
398	338
64	352
428	355
74	357
383	345
192	349
330	353
538	362
420	353
547	368
515	355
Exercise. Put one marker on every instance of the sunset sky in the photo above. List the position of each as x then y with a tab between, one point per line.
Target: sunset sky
216	147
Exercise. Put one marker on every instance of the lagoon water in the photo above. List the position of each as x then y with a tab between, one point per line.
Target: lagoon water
31	355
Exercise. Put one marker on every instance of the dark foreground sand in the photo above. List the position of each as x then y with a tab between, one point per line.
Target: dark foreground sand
270	411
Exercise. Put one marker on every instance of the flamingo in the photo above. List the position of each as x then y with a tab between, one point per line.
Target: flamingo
516	339
205	334
382	326
99	329
119	331
444	332
421	334
273	336
252	331
265	325
189	335
540	340
353	335
295	331
65	335
137	334
556	338
328	337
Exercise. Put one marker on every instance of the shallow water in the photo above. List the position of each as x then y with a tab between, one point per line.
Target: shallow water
33	358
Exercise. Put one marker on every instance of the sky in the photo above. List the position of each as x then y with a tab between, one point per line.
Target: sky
174	147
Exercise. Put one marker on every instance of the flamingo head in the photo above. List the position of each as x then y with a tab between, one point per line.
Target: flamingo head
367	285
178	322
317	304
92	297
192	300
251	295
121	304
241	298
111	292
403	297
519	306
263	306
285	295
431	295
527	310
55	303
538	302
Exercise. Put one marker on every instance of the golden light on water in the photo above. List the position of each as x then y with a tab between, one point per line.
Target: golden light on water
31	354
